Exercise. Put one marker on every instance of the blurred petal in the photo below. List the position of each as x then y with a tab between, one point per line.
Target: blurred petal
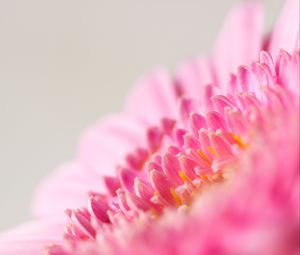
50	227
105	145
31	238
153	98
240	40
25	245
66	188
286	32
194	75
102	147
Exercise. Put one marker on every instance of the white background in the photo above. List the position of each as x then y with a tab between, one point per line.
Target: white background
65	63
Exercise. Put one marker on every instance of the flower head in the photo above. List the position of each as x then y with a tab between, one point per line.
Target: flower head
233	170
215	169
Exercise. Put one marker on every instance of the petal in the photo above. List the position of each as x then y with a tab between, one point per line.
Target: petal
240	40
48	227
31	238
194	75
67	187
105	145
25	246
152	98
286	32
101	148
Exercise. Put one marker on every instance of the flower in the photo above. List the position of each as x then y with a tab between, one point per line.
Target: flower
219	174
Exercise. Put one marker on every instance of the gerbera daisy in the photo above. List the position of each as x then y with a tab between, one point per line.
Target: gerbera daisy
202	162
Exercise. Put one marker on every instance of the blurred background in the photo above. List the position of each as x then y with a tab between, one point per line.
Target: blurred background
66	63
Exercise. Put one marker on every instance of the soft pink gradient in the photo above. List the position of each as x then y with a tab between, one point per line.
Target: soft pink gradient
255	211
226	182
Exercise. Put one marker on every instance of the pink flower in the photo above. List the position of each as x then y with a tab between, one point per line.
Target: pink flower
207	162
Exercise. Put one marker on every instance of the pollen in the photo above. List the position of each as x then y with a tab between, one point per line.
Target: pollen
203	156
185	178
176	197
212	151
238	140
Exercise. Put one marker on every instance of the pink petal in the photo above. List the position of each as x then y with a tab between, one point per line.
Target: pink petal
26	245
50	227
286	32
194	75
102	147
240	40
105	145
67	187
31	238
152	98
162	186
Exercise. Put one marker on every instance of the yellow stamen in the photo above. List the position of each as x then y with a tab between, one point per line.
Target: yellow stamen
204	177
183	176
239	141
176	197
203	156
212	151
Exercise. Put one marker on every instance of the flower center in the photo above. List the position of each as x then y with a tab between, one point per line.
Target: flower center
175	168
